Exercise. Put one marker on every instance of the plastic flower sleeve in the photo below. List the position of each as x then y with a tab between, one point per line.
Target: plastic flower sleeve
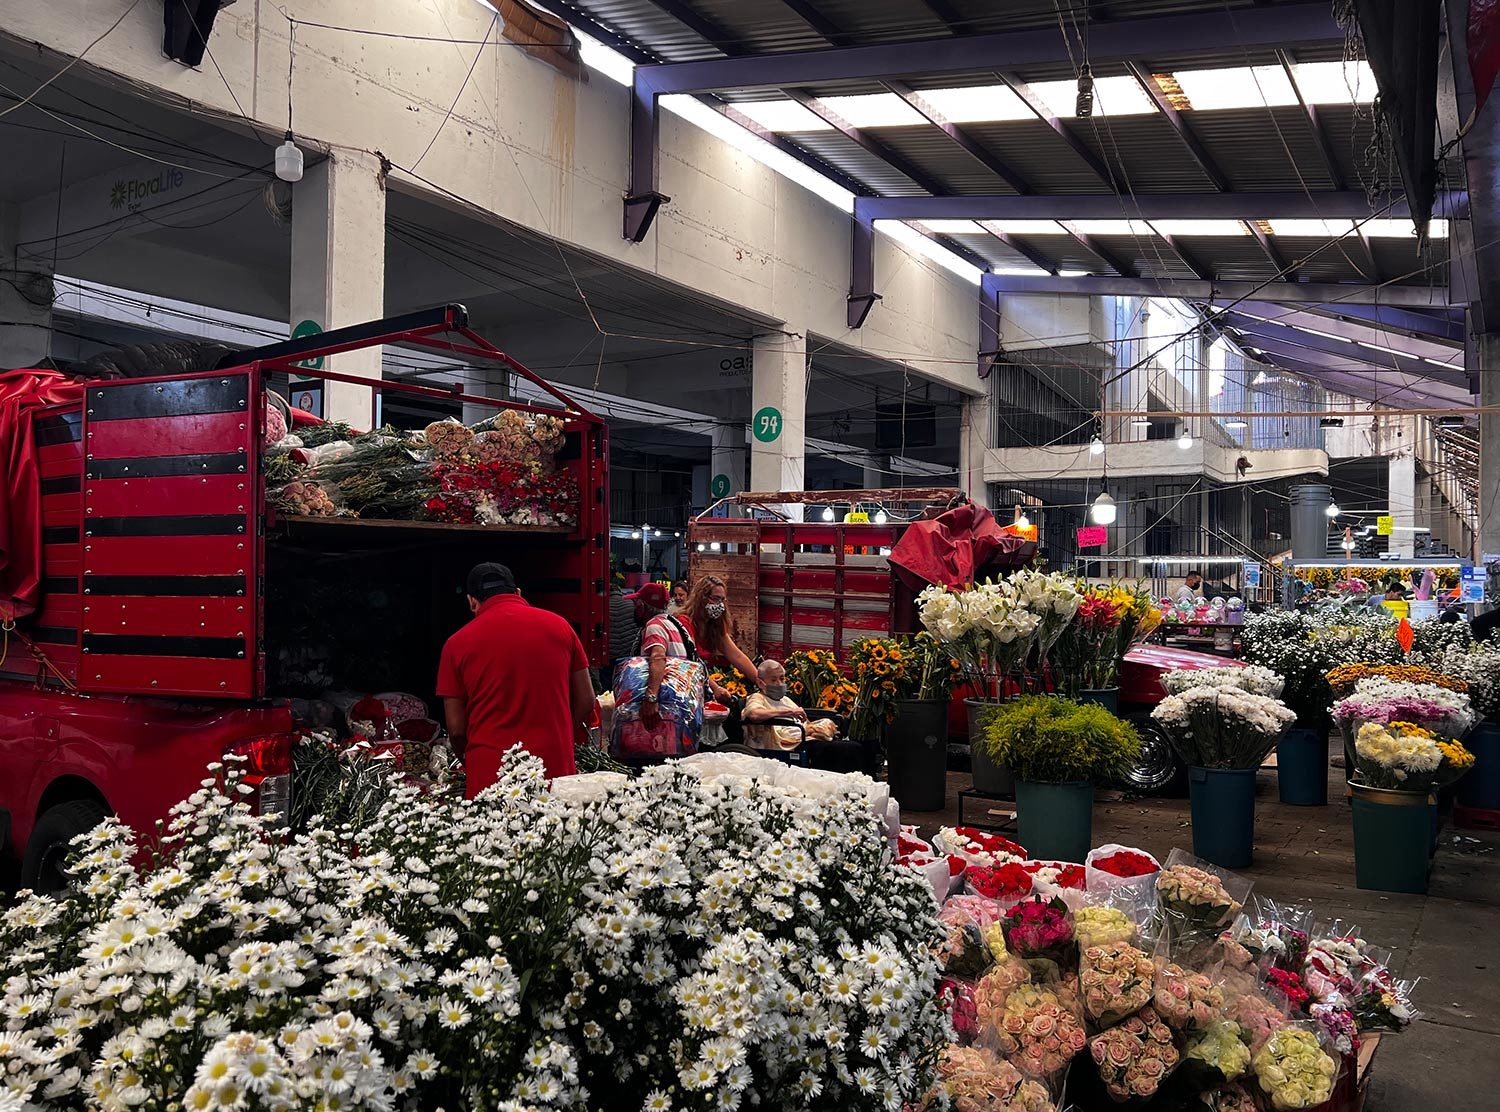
1121	913
1135	1057
1059	880
961	952
1220	1048
957	999
1188	991
1229	1098
1379	1002
973	1079
1038	928
1115	981
1006	884
1293	1069
1197	897
1038	1029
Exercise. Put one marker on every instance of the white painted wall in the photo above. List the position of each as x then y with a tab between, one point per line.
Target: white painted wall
537	148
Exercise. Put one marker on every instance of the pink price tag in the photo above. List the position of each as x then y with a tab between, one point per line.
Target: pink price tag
1092	536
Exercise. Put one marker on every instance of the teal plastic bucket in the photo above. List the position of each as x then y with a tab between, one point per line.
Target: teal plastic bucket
1392	832
916	743
1056	821
1480	786
1106	697
1223	807
1302	768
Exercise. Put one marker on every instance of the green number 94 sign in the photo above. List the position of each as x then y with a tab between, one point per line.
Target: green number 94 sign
766	424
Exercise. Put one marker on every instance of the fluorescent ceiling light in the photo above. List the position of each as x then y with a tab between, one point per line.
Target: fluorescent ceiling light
1236	424
875	110
1026	227
917	242
952	227
782	116
1387	350
1402	229
1200	227
1317	229
1074	273
1113	96
1236	87
720	125
1027	271
1335	82
977	104
1110	227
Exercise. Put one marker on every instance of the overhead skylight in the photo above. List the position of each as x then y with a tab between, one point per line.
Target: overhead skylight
1402	229
977	104
1113	96
1200	227
875	110
1110	227
917	242
783	115
1236	87
1317	229
1019	270
1335	82
952	227
1026	227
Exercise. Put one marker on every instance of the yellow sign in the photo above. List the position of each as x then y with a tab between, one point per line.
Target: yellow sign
857	517
1385	525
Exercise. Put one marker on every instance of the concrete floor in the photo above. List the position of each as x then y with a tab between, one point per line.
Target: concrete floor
1450	938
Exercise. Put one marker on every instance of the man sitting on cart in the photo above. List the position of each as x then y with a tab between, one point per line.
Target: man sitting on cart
771	702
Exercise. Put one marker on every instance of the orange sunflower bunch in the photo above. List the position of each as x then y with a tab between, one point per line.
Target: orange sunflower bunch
1343	678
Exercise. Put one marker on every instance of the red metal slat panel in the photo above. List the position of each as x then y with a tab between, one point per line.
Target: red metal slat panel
58	610
174	494
155	436
168	616
60	459
168	556
163	674
60	508
56	557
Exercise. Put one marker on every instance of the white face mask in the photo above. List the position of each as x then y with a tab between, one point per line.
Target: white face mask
714	610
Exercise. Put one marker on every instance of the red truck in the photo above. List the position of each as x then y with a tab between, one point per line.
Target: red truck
827	585
166	583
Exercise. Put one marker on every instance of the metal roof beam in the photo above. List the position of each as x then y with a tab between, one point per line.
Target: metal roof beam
1191	142
819	22
970	146
1142	206
1097	165
1411	322
1314	124
1277	333
1361	386
1363	331
1286	292
1282	25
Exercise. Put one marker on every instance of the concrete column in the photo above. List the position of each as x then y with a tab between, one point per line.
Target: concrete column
26	295
1402	484
726	470
778	412
484	382
1486	351
338	266
876	471
973	442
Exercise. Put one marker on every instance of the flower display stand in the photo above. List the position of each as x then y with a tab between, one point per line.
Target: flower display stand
1392	835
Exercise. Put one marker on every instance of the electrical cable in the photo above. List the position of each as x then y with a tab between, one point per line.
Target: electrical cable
467	77
72	61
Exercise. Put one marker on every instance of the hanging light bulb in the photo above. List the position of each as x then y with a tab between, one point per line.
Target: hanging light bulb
1185	441
1103	511
289	160
702	547
635	534
827	513
1333	509
1083	106
880	517
1096	447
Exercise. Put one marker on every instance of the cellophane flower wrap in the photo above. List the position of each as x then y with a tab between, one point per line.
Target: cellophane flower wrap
1220	1045
1230	1098
1293	1070
1115	981
958	1001
1037	928
1194	899
528	948
1336	1024
1006	884
972	1079
1222	726
1102	925
1256	1017
1039	1029
1186	1000
1135	1057
995	987
1379	1002
961	951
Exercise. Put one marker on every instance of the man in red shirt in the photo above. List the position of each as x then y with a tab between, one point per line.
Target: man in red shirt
513	674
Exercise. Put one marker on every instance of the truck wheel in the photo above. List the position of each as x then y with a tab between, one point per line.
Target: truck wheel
1158	771
47	852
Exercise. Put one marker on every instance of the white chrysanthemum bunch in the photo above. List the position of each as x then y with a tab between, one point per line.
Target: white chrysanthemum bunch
668	942
1254	678
1222	726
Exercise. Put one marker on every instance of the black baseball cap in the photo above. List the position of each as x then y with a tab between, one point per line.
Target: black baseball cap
490	579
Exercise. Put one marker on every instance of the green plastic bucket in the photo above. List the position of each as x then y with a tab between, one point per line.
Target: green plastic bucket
1302	768
1392	832
1056	821
916	746
1480	786
1223	808
1106	697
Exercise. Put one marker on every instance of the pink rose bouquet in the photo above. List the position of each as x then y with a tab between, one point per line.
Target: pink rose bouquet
975	1080
1195	897
1115	981
1039	1030
994	990
1135	1057
957	999
1039	929
1256	1017
1186	1000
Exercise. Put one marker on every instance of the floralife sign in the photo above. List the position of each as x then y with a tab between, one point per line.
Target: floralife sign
131	193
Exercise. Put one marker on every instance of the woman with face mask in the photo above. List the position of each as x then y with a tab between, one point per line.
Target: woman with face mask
699	632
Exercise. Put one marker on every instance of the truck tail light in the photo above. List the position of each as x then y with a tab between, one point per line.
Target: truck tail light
268	770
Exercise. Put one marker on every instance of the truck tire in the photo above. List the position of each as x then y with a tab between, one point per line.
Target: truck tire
47	852
1157	771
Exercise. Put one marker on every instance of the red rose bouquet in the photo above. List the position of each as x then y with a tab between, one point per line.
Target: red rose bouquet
977	847
1062	874
1038	928
957	999
1135	1057
1004	883
1126	863
1290	987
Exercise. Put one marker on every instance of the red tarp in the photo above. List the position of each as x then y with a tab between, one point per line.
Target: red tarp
22	393
956	547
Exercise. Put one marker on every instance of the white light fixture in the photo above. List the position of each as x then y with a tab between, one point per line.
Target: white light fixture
715	546
1022	521
1333	509
1236	424
827	513
635	534
1103	511
1185	441
677	535
702	547
1096	447
880	517
1141	422
885	551
289	160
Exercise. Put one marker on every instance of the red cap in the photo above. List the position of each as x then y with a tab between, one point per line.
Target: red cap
653	595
